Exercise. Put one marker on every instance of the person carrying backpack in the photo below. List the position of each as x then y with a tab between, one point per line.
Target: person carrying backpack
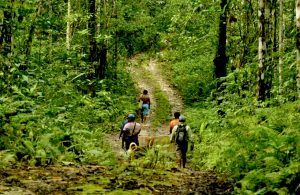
131	131
174	121
181	135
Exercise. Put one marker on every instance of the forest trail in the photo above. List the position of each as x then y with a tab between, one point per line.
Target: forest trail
126	177
147	75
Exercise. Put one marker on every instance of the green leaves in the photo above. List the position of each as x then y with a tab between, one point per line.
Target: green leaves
258	148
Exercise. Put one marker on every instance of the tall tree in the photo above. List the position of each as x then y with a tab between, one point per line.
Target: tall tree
103	50
6	31
261	85
220	60
271	43
298	45
92	26
280	47
68	33
32	29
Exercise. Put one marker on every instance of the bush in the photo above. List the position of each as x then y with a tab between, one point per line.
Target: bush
260	151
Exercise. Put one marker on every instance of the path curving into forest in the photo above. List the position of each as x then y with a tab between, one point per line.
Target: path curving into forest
173	95
148	74
125	178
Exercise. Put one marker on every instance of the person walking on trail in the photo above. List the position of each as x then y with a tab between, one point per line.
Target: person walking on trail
145	105
131	131
122	135
181	135
174	121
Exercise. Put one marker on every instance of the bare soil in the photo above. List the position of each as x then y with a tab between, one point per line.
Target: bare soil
91	179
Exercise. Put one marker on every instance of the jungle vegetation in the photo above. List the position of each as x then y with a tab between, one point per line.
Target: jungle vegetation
63	83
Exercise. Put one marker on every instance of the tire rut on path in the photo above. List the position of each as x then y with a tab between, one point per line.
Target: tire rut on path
151	82
174	98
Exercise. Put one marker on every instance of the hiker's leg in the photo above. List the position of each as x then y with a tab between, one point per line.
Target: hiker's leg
183	157
127	143
136	140
178	156
123	142
183	160
145	112
142	113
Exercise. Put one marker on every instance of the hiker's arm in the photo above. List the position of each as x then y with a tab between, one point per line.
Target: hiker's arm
170	125
190	138
190	135
121	128
140	99
172	137
121	133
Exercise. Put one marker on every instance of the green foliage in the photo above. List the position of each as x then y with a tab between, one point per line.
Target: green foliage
258	147
189	51
59	123
162	109
157	157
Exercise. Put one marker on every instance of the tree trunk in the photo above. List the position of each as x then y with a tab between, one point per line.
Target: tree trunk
92	25
101	66
31	32
115	52
100	70
271	43
298	45
281	35
261	86
6	34
68	33
220	60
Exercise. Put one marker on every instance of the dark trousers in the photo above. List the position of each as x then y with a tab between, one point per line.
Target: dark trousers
129	139
182	149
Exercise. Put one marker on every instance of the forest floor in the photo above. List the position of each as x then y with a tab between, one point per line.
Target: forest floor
127	177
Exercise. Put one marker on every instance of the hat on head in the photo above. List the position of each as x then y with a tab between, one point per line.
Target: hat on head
131	117
181	118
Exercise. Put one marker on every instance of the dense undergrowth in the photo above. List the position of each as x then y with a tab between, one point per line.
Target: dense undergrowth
55	120
257	146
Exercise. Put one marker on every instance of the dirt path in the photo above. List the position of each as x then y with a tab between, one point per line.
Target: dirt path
174	98
126	178
147	75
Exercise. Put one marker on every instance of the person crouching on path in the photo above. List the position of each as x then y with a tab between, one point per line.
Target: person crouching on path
174	121
145	105
181	135
131	131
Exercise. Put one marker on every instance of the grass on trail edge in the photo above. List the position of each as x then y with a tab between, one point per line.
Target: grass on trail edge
163	107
